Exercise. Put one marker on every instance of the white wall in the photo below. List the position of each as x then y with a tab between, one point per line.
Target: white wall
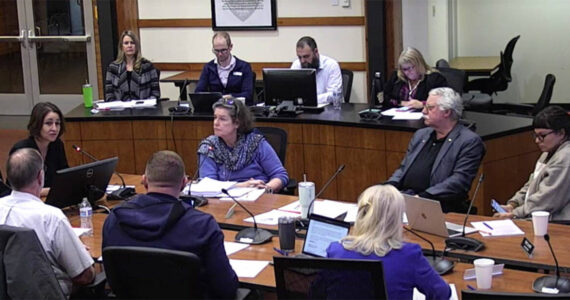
485	27
414	26
193	45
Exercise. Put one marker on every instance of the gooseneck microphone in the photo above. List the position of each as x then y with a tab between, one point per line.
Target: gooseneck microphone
121	193
462	242
552	284
196	201
250	235
439	264
305	222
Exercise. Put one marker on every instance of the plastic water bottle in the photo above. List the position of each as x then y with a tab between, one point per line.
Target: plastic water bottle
86	215
337	99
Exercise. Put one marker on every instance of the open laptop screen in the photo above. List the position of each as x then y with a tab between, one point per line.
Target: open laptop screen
321	232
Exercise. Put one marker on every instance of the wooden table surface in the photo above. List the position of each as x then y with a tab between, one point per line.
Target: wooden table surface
475	65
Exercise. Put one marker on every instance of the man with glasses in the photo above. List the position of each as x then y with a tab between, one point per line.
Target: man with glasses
443	158
329	78
71	262
226	73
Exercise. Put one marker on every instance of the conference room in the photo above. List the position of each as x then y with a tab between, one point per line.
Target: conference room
176	35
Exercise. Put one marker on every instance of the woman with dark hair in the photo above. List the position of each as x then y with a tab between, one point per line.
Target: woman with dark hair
410	84
46	127
237	152
377	235
131	76
548	188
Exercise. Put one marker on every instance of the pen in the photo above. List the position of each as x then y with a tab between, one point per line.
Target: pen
487	225
470	287
281	251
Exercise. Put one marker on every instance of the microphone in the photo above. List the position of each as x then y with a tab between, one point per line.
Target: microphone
551	284
196	201
440	265
304	222
250	235
462	242
119	194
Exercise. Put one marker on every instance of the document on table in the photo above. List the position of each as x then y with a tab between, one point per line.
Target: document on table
327	208
248	268
113	187
419	296
208	187
233	247
402	113
126	104
243	194
80	231
497	228
271	217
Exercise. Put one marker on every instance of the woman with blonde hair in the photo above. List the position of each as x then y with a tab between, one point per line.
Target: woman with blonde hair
131	76
377	235
411	82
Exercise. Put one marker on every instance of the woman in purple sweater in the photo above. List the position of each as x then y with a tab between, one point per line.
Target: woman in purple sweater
377	235
238	152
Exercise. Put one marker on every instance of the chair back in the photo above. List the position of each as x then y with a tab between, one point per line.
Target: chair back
152	273
307	278
347	77
509	49
546	95
456	79
25	271
277	138
492	295
442	63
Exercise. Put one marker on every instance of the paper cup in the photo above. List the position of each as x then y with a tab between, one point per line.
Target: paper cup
484	272
306	196
540	222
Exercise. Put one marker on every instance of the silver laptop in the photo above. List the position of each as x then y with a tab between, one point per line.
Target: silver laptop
426	215
322	231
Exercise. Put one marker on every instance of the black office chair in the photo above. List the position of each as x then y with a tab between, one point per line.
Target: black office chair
530	110
152	273
26	273
455	78
347	77
277	138
321	278
442	63
491	295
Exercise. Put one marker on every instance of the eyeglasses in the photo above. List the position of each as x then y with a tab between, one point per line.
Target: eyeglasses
220	51
540	136
228	103
429	107
408	68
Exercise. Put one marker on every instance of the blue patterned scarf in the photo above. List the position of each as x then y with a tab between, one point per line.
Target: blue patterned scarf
232	159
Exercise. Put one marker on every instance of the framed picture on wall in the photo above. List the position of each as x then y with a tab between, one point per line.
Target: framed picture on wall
244	15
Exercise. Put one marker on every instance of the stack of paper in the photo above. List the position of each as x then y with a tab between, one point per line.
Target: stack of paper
126	104
497	228
208	187
327	208
402	113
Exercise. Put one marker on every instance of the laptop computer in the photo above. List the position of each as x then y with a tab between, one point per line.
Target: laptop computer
202	102
426	215
321	232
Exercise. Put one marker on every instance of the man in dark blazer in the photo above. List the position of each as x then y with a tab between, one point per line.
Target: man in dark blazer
226	73
443	158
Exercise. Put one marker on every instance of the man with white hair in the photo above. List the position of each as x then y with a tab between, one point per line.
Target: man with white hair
443	158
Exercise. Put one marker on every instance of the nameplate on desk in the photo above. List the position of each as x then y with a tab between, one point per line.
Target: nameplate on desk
527	247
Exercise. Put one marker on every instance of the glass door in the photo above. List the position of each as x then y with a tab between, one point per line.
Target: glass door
46	53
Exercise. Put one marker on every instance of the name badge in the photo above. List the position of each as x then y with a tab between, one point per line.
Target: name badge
237	73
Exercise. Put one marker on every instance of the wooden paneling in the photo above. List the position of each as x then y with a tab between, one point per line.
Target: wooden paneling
359	138
394	38
509	146
149	130
398	140
393	160
187	149
315	21
363	169
112	130
256	66
104	149
320	165
318	134
127	16
294	131
143	150
72	131
294	161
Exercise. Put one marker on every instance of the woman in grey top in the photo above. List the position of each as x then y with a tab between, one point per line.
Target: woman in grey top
548	188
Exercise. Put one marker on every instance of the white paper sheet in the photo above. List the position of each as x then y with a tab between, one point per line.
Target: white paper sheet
80	231
271	217
408	116
233	247
419	296
497	228
208	187
147	103
248	268
244	194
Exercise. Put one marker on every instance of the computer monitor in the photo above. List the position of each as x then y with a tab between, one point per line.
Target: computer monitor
89	180
297	85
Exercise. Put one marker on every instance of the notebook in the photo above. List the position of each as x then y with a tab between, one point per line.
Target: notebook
202	102
321	232
426	215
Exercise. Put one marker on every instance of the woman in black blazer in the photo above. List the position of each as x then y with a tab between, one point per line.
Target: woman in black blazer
410	84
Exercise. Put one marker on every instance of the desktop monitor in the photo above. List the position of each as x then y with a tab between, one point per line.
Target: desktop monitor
89	180
297	85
